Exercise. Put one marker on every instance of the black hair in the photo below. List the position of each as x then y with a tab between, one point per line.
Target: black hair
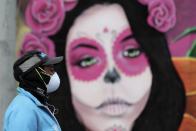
166	105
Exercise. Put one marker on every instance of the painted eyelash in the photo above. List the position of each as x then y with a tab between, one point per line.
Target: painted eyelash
133	49
78	63
100	36
138	48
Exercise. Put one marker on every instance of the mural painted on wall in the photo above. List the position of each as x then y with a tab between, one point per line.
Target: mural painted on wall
118	73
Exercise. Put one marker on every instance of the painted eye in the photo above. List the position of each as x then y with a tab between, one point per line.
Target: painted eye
86	62
132	52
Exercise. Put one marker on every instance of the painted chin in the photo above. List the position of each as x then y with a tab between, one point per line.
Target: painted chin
114	107
116	128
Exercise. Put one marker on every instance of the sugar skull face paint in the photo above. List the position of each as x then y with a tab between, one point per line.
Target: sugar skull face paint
87	59
128	54
109	74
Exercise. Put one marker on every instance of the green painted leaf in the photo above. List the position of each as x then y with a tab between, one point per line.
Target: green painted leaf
192	51
185	33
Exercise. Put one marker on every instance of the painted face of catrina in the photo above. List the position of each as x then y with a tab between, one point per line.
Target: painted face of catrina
110	76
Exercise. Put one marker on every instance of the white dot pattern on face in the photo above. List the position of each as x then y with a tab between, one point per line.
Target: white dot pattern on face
114	34
109	36
81	34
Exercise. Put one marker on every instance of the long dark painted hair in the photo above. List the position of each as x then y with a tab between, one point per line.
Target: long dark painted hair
166	104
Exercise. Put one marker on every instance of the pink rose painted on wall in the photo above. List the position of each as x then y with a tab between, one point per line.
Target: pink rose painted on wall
162	14
33	42
45	17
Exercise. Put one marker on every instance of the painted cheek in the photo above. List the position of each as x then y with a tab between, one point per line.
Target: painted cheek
91	72
129	66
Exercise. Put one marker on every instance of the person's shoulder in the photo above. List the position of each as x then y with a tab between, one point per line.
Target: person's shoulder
20	106
21	111
22	102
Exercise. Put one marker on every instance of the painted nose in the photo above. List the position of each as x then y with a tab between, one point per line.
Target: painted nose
112	76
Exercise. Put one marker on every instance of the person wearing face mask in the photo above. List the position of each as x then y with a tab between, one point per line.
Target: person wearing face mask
29	110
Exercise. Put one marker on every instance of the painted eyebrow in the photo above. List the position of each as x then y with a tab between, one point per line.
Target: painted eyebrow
127	38
84	45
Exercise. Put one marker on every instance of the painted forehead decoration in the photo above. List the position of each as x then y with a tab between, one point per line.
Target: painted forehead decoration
45	18
106	34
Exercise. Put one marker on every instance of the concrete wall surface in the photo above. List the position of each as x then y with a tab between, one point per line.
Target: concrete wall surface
7	54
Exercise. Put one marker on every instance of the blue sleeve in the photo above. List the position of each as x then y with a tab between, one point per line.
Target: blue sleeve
21	120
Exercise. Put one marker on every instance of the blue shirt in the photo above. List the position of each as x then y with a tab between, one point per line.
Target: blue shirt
26	113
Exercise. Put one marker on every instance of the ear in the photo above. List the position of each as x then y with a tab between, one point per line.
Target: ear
70	4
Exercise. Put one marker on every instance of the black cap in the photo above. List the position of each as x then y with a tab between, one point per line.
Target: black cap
30	61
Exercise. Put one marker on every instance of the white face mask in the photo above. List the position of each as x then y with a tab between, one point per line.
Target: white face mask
53	84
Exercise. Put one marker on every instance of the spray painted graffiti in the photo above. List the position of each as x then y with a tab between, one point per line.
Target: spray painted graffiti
117	70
